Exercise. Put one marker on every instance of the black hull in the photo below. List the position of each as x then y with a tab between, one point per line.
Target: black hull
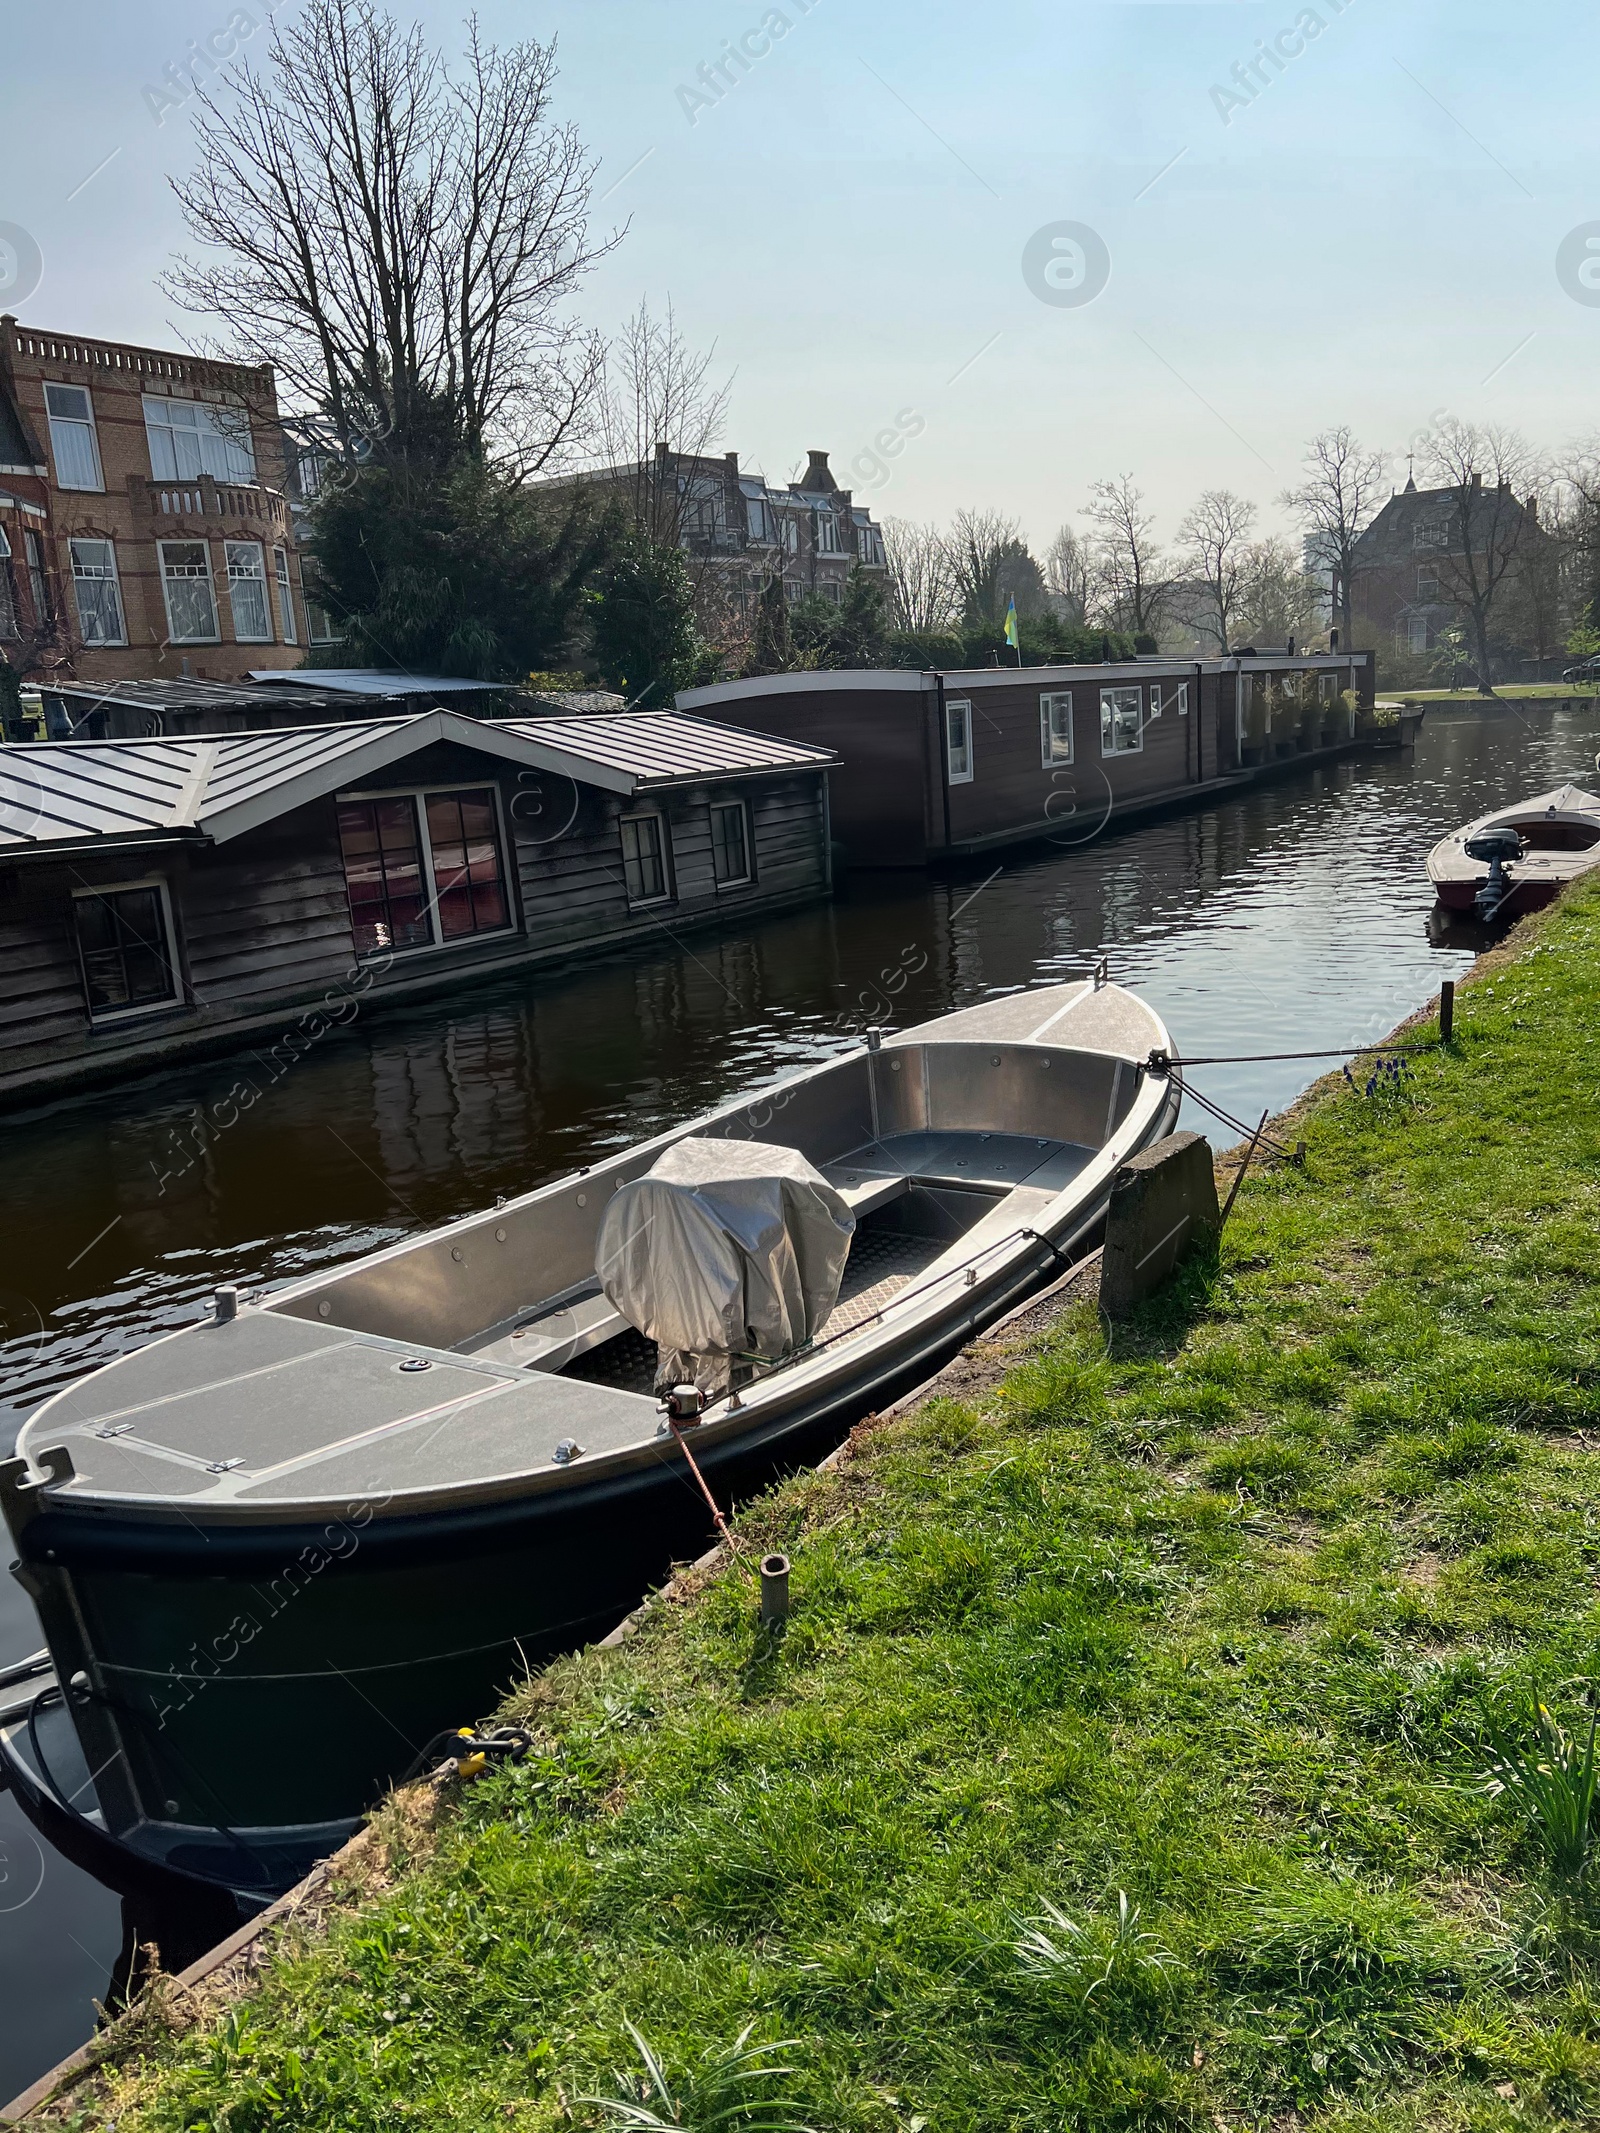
291	1675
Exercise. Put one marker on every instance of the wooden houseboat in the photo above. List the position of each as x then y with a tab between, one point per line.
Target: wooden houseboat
162	896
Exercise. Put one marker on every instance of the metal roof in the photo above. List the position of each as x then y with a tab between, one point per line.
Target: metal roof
657	748
373	681
57	796
190	695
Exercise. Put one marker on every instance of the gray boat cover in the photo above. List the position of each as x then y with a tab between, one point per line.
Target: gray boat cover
724	1249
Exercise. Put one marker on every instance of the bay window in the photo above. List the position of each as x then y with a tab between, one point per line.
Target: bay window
188	438
280	567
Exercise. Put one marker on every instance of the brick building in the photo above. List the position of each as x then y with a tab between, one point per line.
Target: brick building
738	530
1407	571
144	529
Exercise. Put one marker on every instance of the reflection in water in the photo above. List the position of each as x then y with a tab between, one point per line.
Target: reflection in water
1293	916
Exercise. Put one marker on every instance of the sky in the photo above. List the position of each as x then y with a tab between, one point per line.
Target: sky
1037	243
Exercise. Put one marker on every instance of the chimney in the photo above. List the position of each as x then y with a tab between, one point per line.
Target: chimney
1477	483
1533	509
817	474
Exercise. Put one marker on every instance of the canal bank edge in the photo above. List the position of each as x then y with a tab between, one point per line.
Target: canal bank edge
359	1873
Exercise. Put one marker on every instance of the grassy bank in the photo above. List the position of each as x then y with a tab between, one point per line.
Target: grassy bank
1123	1763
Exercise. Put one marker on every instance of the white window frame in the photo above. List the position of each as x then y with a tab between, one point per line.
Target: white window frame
668	891
229	550
230	437
81	488
958	773
1050	752
419	795
746	879
113	579
1108	720
211	588
1416	624
285	585
99	1017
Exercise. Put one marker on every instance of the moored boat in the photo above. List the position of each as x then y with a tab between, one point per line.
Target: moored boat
276	1552
1518	858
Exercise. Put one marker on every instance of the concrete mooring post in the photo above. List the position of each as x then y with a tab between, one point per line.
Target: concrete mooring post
1163	1206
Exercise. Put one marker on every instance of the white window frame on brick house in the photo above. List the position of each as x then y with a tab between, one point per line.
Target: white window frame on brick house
96	570
1055	728
180	574
69	410
958	751
246	564
633	863
1117	737
10	626
188	438
1416	634
285	585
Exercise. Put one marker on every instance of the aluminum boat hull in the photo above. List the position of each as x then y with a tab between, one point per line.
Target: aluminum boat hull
256	1650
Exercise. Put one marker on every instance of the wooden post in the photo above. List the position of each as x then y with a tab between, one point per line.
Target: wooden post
1447	1010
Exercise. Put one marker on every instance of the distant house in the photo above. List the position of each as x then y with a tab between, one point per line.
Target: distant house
255	890
742	530
946	765
143	511
1409	569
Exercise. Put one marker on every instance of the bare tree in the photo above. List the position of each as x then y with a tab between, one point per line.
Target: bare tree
1277	599
660	396
1129	586
1216	534
1483	533
1335	502
990	566
1067	569
921	584
395	238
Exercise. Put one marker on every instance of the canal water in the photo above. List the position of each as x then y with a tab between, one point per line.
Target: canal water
1295	915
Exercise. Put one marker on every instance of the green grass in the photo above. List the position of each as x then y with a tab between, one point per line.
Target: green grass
1130	1760
1508	692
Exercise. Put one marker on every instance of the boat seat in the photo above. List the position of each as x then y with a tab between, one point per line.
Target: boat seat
861	1193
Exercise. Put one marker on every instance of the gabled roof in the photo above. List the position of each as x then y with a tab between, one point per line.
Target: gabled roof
75	795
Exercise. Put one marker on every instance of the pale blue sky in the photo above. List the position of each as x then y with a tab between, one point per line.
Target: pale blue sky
1372	240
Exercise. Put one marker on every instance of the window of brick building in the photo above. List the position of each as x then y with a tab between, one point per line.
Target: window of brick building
247	592
186	584
99	596
73	444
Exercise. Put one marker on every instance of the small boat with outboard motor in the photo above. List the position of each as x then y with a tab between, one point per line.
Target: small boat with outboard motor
275	1553
1519	858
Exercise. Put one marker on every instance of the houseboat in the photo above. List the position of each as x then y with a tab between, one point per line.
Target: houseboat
944	765
159	897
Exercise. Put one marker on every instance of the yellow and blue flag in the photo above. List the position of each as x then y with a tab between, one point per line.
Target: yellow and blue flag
1011	623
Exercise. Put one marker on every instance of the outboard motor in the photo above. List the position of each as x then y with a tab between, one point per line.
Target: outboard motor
1497	848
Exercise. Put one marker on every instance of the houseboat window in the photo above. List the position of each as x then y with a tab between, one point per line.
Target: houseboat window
280	566
1183	699
958	740
72	437
1055	728
1330	687
125	944
247	592
1121	726
468	873
188	438
99	597
8	589
383	874
186	582
644	859
38	582
730	845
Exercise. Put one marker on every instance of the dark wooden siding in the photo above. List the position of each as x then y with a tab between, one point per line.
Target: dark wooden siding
263	923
